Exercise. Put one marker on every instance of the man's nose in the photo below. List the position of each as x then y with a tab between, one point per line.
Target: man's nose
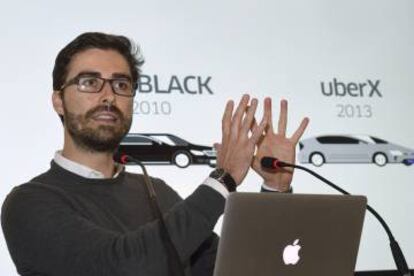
107	93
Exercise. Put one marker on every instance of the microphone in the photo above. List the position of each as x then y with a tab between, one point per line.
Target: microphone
174	260
125	159
399	259
272	163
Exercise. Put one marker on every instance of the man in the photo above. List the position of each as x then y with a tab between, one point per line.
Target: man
87	216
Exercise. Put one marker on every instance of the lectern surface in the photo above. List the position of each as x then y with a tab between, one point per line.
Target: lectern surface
380	273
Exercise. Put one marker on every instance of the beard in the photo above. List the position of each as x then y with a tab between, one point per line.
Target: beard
103	138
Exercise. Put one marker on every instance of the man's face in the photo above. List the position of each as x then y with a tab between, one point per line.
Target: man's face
96	122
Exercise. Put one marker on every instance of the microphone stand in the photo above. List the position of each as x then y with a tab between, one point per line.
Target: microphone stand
175	261
397	253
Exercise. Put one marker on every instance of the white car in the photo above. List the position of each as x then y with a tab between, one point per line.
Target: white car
352	149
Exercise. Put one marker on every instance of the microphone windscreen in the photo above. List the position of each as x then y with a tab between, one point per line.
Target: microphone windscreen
268	162
120	157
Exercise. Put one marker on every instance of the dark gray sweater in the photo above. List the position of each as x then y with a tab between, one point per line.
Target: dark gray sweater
71	225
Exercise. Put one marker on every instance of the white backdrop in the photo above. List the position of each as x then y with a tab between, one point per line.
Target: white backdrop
282	49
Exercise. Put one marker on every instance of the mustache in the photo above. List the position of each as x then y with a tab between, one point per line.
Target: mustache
106	108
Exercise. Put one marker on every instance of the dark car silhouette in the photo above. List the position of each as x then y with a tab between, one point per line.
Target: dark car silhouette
166	149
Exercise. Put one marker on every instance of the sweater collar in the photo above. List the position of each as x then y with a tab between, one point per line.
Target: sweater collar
82	170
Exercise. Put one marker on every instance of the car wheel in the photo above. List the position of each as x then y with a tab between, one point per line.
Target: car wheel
380	159
317	159
182	159
407	162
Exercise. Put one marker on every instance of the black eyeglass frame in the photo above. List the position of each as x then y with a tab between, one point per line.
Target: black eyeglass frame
75	80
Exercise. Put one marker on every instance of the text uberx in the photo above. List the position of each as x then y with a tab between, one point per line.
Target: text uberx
361	89
194	85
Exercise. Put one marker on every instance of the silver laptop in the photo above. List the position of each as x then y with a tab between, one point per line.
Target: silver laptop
290	234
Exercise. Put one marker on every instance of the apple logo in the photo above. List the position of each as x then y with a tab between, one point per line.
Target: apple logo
291	253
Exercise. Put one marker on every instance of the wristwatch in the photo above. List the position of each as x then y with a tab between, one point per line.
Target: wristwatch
224	178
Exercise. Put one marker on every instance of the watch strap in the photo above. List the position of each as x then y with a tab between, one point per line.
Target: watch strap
224	178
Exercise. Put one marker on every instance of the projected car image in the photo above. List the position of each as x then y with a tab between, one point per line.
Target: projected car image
166	149
352	149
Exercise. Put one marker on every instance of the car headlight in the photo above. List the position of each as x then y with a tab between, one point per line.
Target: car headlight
210	153
396	152
197	152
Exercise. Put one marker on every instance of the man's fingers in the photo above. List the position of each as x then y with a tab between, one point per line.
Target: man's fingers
268	108
226	121
301	129
281	129
253	125
258	132
268	111
226	126
249	118
238	115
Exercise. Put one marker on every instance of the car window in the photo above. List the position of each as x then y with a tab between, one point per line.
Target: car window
178	141
337	140
378	140
138	140
164	138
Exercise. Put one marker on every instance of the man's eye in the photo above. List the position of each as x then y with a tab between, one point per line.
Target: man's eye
88	82
123	84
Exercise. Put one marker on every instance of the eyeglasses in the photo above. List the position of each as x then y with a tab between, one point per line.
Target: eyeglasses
94	84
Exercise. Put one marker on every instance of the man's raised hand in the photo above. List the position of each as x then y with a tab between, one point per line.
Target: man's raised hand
238	145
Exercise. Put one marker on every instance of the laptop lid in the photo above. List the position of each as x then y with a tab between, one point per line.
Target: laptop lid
290	234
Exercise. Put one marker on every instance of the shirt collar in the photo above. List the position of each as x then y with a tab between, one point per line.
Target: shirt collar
82	170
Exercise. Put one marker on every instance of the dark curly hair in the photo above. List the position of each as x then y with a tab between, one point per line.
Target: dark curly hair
124	46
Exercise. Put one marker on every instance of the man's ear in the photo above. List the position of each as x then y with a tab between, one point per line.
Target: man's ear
57	100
